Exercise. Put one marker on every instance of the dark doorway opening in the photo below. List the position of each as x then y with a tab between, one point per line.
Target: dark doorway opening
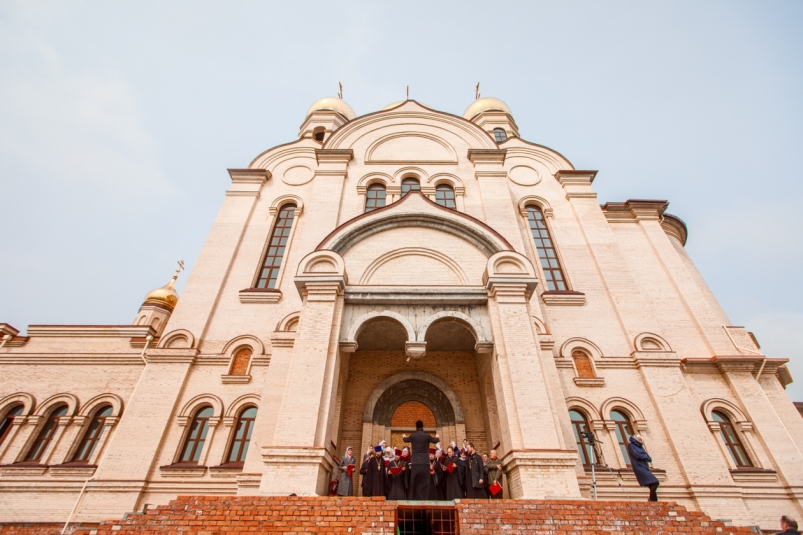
426	521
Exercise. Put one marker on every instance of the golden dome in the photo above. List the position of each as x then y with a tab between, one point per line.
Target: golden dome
333	104
165	296
485	104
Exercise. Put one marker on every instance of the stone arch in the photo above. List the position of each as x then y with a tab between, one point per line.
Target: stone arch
203	399
244	340
583	406
540	202
400	142
415	210
322	263
446	178
452	315
178	339
650	342
70	400
359	323
413	386
240	403
580	343
410	171
719	404
540	326
289	323
626	406
375	178
114	400
281	200
453	266
27	401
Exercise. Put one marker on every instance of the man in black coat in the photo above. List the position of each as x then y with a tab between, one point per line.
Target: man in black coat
640	462
419	476
475	476
375	476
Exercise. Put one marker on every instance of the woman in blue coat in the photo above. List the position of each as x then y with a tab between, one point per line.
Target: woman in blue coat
640	462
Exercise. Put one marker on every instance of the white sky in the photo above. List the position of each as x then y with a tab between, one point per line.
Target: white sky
117	124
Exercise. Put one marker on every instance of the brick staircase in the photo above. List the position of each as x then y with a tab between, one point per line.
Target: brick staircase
224	515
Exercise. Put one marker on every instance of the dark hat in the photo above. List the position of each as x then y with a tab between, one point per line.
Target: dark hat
419	424
397	452
378	449
432	451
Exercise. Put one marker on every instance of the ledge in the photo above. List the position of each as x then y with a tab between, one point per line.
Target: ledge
565	298
182	470
260	295
79	470
467	295
226	470
589	381
91	331
626	474
23	469
749	475
235	379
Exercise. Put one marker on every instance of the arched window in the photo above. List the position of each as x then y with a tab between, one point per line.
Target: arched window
196	436
500	135
8	421
624	430
580	424
46	434
444	195
408	185
276	247
582	363
239	364
318	134
553	274
374	197
92	435
242	435
731	439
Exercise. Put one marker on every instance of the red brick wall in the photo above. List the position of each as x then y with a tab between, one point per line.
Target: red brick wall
583	364
48	528
407	414
239	365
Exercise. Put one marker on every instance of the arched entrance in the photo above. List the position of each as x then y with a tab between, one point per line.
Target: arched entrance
395	403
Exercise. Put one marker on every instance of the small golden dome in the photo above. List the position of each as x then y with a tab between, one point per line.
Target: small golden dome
485	104
165	296
333	104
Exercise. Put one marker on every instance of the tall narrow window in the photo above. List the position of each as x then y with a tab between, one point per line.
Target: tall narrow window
580	424
240	362
444	195
500	135
242	435
374	197
196	436
276	247
408	185
731	439
46	434
624	430
582	363
8	421
92	436
553	274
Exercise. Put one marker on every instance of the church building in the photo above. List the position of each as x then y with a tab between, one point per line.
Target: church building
401	265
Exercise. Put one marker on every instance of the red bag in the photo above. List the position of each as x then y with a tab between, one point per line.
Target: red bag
333	488
396	471
450	468
496	488
350	470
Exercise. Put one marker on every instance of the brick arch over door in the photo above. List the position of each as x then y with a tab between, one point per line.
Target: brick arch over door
413	386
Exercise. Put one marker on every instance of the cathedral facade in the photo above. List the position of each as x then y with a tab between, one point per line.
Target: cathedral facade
407	264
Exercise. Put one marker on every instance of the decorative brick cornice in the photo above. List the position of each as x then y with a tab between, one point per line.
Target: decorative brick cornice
487	155
334	155
260	295
249	176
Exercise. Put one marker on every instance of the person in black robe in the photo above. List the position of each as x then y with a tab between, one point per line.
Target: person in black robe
440	456
397	483
475	476
374	476
419	474
455	479
435	475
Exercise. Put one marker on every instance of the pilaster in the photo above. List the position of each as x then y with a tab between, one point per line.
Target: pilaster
296	458
137	440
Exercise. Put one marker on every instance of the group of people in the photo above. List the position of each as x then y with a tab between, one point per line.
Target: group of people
421	472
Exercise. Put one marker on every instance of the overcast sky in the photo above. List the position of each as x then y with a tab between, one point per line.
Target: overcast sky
118	122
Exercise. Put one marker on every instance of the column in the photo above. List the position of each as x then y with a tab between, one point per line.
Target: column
538	462
297	458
